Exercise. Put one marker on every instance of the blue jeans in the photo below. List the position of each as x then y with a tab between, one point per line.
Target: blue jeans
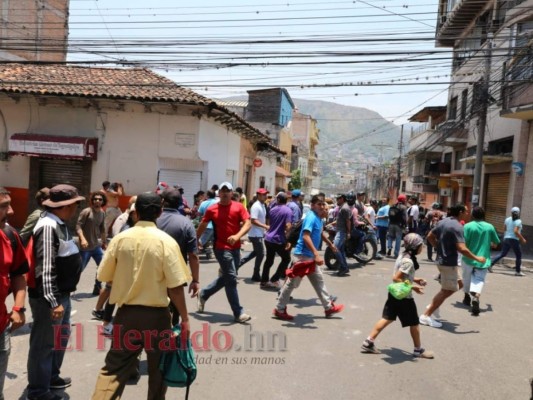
97	254
340	244
228	260
395	232
258	253
382	233
5	349
507	245
47	351
358	237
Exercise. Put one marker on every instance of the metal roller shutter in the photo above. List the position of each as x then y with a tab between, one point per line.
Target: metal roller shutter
190	181
496	193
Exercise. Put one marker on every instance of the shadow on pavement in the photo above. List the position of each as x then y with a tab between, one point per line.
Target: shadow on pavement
396	356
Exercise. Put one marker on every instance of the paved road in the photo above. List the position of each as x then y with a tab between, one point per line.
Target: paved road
485	357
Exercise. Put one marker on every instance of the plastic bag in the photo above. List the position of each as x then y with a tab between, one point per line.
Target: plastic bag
400	290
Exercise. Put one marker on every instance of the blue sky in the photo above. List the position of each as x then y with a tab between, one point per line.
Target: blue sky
379	55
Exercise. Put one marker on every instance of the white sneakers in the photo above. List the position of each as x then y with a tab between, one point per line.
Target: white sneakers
428	321
436	313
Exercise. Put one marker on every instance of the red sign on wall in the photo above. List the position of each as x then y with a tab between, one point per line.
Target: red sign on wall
258	163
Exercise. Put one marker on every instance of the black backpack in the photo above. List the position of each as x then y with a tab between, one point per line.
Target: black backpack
395	215
294	232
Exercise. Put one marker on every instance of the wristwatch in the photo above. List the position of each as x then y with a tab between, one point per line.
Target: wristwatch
19	309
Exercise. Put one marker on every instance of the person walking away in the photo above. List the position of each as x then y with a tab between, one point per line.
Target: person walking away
413	213
511	240
90	228
307	256
276	243
404	309
206	240
31	221
382	222
480	237
370	216
257	234
55	276
146	267
13	266
294	205
231	222
343	225
181	229
397	223
448	238
433	217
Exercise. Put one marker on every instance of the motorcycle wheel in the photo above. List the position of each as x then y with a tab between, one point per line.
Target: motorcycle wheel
330	260
369	252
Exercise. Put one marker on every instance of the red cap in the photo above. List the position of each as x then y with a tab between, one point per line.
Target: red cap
262	191
402	197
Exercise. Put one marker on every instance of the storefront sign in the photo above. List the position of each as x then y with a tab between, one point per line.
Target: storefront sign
71	147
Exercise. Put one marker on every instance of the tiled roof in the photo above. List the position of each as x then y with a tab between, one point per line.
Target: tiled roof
112	83
138	84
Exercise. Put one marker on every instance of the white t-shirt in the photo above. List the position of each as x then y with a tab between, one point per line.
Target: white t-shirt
414	212
258	212
370	214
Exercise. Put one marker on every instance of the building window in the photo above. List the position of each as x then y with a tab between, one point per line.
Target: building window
464	103
458	155
452	109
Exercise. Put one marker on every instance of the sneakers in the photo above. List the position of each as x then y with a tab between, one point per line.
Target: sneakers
98	314
270	285
343	273
241	319
436	314
256	278
466	300
519	274
283	315
423	353
107	330
334	309
201	303
475	306
369	347
60	383
428	321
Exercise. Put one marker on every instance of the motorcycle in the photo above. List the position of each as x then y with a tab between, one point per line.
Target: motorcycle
369	251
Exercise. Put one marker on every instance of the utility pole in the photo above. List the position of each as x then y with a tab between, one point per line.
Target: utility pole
399	172
484	100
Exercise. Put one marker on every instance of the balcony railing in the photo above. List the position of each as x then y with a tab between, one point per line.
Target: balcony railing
422	180
518	86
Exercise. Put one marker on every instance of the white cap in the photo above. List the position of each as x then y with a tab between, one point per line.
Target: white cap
227	185
515	210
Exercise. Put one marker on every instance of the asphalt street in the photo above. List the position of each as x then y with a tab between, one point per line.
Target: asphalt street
484	357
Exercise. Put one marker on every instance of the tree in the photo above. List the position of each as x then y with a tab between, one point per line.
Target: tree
296	180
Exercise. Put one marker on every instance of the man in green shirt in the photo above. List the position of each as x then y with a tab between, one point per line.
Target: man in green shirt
480	237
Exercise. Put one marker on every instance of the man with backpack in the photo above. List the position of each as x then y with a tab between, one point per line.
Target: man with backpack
397	223
13	266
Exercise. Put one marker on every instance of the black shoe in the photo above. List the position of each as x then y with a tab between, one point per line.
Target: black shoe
343	273
466	300
475	306
98	314
389	251
256	278
96	290
60	383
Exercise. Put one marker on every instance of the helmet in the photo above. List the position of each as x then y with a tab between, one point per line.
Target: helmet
350	198
412	241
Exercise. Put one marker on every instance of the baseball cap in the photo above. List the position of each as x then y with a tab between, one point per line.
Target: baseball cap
62	195
402	197
341	195
227	185
161	186
262	191
515	210
296	193
147	200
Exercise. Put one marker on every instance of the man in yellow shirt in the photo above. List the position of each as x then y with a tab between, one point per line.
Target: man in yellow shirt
146	267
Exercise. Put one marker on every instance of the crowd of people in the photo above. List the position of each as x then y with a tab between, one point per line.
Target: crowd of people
148	255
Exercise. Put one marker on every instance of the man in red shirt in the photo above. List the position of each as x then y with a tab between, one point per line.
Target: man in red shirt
231	221
13	266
